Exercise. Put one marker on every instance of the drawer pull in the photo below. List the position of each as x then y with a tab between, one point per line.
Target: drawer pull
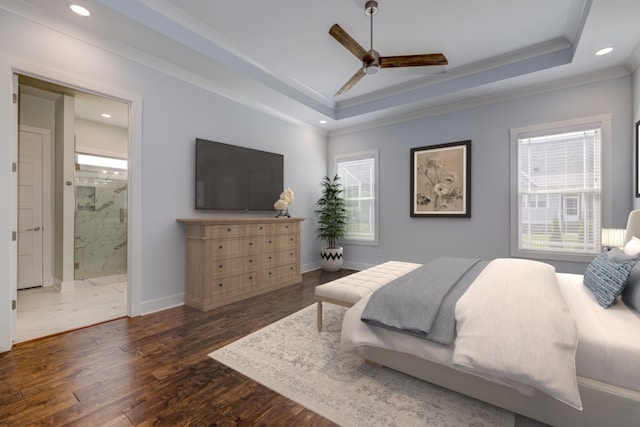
220	266
270	241
220	247
250	261
220	284
270	257
250	243
228	229
269	273
250	277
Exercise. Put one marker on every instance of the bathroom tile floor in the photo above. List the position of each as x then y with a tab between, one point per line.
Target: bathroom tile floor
46	311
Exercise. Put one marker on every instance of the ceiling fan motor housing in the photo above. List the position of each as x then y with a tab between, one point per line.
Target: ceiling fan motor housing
371	7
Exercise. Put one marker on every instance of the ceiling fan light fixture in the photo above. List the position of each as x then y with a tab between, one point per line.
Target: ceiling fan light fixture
371	69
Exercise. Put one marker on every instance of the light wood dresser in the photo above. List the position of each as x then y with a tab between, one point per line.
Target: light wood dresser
230	259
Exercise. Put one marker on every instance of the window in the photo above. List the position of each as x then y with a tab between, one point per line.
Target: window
556	190
535	201
571	211
359	177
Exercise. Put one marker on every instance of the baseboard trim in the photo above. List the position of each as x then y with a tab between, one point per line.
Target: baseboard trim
148	307
305	268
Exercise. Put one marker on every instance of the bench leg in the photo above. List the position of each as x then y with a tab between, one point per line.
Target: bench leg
319	319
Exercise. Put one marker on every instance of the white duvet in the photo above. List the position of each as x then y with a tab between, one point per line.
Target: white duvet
518	332
514	327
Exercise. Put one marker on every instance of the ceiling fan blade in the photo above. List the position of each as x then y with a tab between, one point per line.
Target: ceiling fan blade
413	60
352	81
350	44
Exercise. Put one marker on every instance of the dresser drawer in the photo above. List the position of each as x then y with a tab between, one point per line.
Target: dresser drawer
228	287
227	248
280	241
257	229
276	258
224	231
280	272
284	228
232	266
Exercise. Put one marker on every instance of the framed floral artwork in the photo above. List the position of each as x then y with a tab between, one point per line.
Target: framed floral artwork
441	180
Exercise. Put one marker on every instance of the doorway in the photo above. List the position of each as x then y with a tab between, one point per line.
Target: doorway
81	278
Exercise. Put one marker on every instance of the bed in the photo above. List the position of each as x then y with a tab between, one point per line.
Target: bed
592	364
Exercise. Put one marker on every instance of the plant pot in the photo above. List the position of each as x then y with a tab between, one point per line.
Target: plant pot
331	259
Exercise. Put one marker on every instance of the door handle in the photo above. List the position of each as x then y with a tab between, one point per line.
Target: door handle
33	229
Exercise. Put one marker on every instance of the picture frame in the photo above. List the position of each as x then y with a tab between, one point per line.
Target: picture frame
638	158
441	180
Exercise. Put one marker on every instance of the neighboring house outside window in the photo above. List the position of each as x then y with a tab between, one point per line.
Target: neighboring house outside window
359	178
556	189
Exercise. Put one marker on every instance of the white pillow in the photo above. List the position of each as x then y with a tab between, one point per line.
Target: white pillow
632	247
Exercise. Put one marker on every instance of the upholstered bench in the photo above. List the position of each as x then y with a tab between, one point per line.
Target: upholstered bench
348	290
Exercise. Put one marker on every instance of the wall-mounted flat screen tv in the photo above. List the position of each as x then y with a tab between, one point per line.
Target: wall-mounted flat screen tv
233	178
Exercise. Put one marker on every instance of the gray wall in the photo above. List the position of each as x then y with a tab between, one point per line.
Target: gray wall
486	234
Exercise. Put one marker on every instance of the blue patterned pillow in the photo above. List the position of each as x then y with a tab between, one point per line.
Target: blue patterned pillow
606	278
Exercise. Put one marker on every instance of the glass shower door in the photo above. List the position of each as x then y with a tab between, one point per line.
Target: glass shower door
100	244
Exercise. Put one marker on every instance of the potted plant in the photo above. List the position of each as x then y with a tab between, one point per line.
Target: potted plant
332	221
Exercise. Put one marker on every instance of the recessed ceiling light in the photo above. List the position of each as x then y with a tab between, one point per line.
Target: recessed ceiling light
80	10
604	51
106	115
322	122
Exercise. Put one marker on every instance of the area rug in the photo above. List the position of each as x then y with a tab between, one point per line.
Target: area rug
292	358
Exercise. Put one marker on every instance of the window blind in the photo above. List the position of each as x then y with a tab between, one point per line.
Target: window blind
359	183
559	190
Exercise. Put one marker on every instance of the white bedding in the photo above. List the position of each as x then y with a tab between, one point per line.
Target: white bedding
608	344
514	327
608	339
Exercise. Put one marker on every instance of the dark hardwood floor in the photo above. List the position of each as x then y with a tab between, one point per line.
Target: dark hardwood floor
152	370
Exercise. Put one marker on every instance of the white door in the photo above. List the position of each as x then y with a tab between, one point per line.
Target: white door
30	226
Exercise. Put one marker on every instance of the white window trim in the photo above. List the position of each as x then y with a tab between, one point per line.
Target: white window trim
354	156
605	189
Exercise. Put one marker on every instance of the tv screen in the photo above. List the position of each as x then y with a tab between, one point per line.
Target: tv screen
235	178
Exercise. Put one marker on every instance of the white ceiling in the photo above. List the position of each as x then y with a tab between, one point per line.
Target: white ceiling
277	55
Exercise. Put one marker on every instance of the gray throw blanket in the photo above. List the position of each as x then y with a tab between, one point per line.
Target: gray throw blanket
422	302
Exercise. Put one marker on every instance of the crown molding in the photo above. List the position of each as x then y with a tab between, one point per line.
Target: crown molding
480	101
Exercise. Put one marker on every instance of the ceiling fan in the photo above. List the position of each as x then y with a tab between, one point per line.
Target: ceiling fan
371	60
